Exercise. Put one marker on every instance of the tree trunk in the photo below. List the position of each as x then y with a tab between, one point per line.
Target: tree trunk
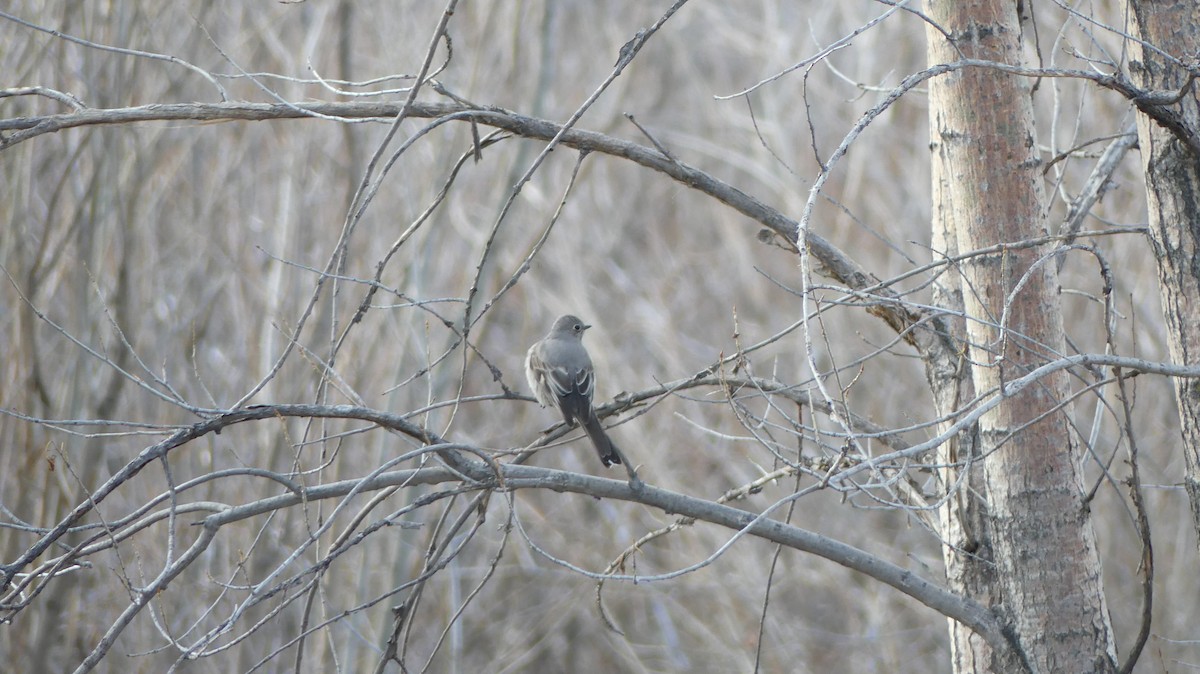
1173	199
962	522
1047	583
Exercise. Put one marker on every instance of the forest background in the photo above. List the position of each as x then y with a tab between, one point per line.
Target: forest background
170	266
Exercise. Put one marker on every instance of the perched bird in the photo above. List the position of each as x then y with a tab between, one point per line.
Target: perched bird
560	373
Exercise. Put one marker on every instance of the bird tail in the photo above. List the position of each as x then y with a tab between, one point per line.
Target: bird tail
609	454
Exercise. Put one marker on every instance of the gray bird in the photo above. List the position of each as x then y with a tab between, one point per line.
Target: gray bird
560	373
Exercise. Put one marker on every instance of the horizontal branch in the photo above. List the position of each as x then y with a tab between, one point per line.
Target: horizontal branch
976	616
479	474
193	432
484	473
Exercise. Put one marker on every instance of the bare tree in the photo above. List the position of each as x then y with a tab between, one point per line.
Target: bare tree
262	402
1163	63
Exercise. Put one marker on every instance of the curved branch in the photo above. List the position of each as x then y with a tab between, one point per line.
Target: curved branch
484	475
833	262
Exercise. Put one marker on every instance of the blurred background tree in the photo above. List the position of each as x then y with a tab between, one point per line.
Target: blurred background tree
262	404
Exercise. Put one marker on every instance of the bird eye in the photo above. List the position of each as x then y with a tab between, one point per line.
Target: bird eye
578	327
